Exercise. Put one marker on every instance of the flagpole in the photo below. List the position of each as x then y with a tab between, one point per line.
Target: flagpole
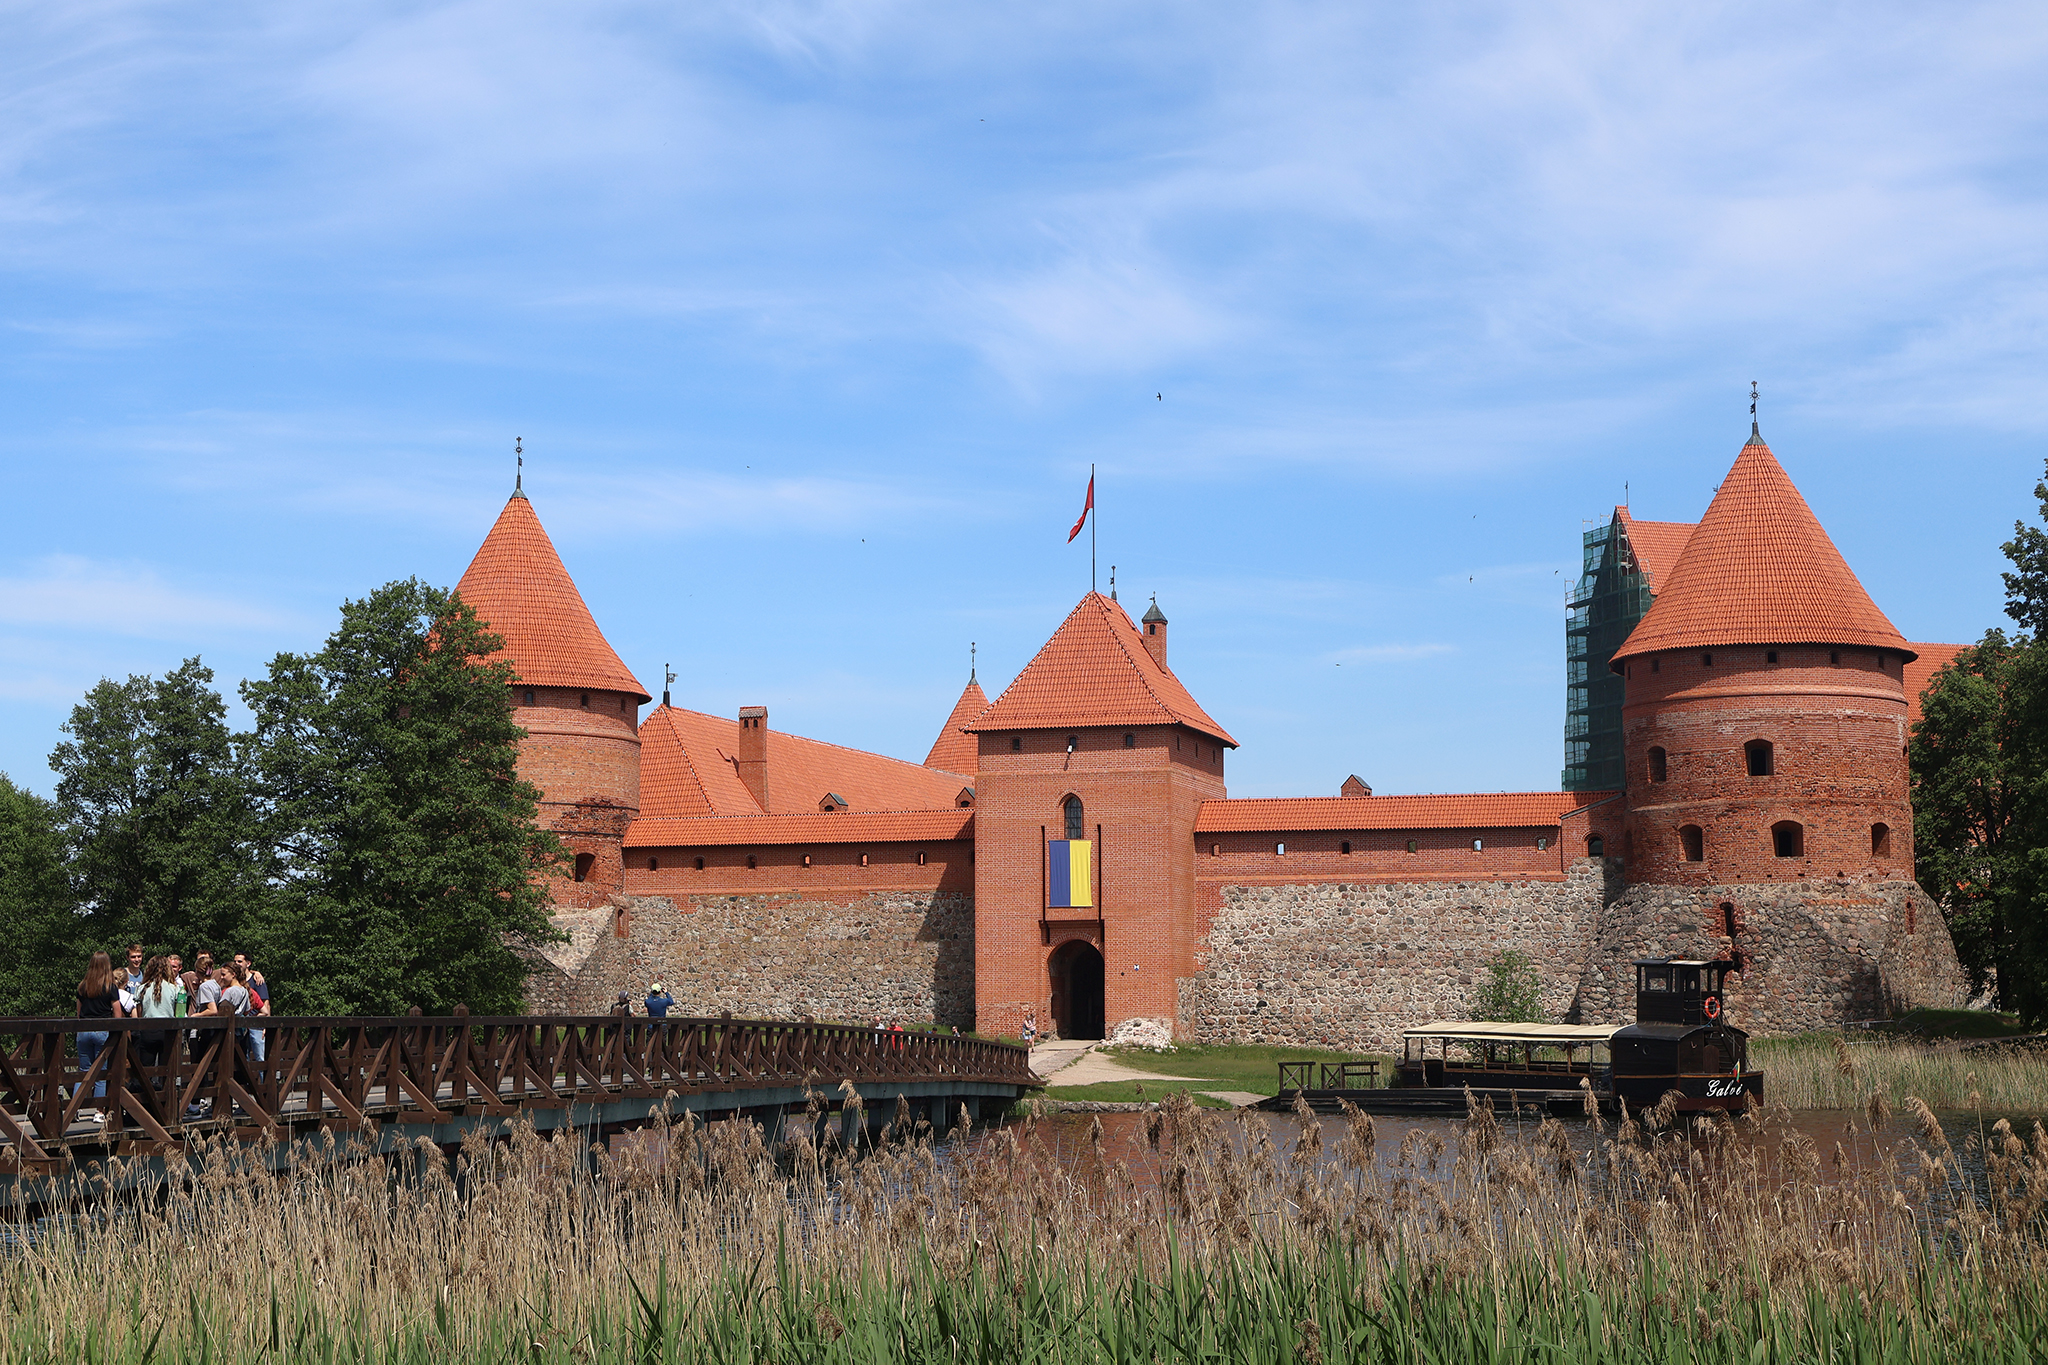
1092	519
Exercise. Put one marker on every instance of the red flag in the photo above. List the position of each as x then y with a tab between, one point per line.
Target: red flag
1086	508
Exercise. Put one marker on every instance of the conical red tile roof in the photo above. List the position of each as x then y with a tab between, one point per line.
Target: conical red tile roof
518	585
955	751
1095	670
1759	570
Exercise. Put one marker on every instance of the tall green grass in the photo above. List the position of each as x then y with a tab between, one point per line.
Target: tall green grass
1203	1238
1822	1071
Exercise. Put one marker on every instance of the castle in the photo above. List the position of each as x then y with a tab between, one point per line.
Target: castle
1069	852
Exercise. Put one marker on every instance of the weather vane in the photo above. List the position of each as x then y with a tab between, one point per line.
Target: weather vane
519	453
970	660
1752	401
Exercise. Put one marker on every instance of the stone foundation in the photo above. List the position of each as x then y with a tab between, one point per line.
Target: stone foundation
903	956
1351	964
1821	953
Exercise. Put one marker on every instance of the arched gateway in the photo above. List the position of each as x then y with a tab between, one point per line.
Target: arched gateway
1076	970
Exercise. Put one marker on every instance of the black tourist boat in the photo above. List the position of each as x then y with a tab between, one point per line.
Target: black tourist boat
1682	1040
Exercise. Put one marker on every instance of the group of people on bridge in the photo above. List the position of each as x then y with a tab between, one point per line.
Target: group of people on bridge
160	987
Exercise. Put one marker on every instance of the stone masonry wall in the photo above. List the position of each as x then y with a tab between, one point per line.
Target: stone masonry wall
1821	953
1351	964
896	955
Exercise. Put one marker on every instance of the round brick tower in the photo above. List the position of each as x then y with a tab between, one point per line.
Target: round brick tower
1765	714
577	702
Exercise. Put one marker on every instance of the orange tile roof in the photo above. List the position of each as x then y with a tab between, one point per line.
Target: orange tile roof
517	584
955	751
1095	670
1920	674
687	768
1760	570
1479	810
845	827
1657	545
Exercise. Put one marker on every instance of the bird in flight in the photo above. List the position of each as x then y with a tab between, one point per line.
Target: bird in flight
1160	396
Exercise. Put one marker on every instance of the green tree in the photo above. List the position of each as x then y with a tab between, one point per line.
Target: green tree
404	839
157	810
1512	992
48	942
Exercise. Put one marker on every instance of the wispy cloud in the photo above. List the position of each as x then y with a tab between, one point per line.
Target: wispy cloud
93	597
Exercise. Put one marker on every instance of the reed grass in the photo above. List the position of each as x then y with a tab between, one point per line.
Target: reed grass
1822	1071
1209	1237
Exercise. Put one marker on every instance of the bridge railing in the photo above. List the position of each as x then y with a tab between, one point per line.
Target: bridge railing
151	1083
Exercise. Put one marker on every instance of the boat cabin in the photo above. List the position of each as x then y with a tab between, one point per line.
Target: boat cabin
1493	1056
1679	990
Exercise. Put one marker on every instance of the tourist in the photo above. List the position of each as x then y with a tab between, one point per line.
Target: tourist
246	1007
160	996
623	1006
659	1001
133	980
260	990
1030	1028
99	997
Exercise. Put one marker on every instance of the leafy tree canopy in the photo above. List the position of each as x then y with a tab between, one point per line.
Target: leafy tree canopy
1512	992
402	835
49	940
156	807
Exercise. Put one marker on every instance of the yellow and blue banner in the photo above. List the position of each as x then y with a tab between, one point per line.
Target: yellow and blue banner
1070	884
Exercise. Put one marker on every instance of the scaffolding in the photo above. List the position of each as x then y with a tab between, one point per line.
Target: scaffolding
1608	599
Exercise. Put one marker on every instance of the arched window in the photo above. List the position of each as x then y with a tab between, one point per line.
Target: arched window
1130	740
1279	849
1076	818
807	860
1596	847
1693	842
1760	756
584	861
1788	839
529	696
1657	765
1479	845
1880	841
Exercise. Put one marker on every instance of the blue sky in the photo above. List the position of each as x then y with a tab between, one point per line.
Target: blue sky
813	318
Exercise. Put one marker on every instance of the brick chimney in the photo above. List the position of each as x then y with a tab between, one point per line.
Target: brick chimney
753	764
1154	622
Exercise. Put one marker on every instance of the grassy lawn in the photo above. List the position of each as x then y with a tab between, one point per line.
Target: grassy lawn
1250	1068
1933	1025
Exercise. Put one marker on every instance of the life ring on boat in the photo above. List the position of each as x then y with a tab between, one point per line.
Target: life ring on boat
1712	1009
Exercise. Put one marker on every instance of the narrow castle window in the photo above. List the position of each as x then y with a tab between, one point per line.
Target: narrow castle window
529	696
700	864
1075	817
750	862
1411	845
1728	925
585	700
1657	763
920	858
1834	656
1880	841
1707	660
1542	844
863	860
1770	656
1596	847
807	860
1073	743
1016	744
1215	850
1910	917
1656	665
1759	755
1478	845
584	862
622	706
1130	740
1279	849
1788	839
1344	847
1692	842
654	864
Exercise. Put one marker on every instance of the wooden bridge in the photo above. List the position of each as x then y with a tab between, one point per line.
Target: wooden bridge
397	1080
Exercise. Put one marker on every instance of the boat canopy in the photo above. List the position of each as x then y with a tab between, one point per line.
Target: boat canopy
1474	1030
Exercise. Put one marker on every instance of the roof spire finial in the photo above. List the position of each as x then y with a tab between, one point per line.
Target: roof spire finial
1755	436
1112	582
519	474
668	677
970	660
